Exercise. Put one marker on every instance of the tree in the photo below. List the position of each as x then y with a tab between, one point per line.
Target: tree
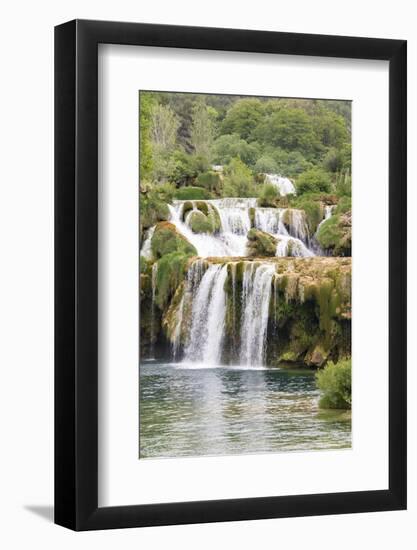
243	117
290	129
229	146
164	126
238	181
146	104
201	129
315	180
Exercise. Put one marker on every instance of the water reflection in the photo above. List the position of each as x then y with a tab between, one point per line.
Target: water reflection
230	410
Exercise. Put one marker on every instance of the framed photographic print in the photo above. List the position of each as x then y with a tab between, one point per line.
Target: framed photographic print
230	275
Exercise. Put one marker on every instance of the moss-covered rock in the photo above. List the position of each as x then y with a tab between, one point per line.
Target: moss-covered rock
335	234
166	239
199	222
261	243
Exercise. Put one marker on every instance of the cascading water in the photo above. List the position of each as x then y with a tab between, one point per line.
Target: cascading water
284	185
146	250
256	294
235	220
208	318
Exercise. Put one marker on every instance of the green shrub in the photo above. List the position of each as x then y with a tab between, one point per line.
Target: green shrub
315	180
344	205
192	194
311	204
335	383
266	165
210	180
238	181
268	195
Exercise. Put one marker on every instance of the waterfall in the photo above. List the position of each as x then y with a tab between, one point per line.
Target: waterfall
176	339
146	250
256	294
270	220
208	317
153	282
284	185
290	246
328	211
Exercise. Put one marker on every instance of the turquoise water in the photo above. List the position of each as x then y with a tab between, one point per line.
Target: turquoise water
197	411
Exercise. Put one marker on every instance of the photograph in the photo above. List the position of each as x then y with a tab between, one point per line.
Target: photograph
245	234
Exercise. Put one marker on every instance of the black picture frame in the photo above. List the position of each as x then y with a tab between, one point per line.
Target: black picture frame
76	272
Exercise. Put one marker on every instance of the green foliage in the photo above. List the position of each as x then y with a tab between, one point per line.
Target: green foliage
192	194
268	195
147	102
153	203
343	184
243	117
201	128
311	204
335	234
335	381
166	240
200	223
238	181
170	273
289	129
290	163
261	244
344	205
229	146
210	180
266	165
315	180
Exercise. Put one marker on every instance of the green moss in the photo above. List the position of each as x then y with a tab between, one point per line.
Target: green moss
200	223
252	216
335	234
192	193
170	274
166	239
261	243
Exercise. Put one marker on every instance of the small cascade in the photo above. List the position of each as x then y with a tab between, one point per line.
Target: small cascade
176	339
153	282
146	249
270	220
284	185
256	294
290	246
208	317
328	211
297	224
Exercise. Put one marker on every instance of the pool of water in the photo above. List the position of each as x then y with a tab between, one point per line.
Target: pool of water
194	410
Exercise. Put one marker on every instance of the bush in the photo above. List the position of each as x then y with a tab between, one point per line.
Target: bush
210	180
229	146
192	194
315	180
335	381
344	205
268	195
266	165
311	204
153	203
238	181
